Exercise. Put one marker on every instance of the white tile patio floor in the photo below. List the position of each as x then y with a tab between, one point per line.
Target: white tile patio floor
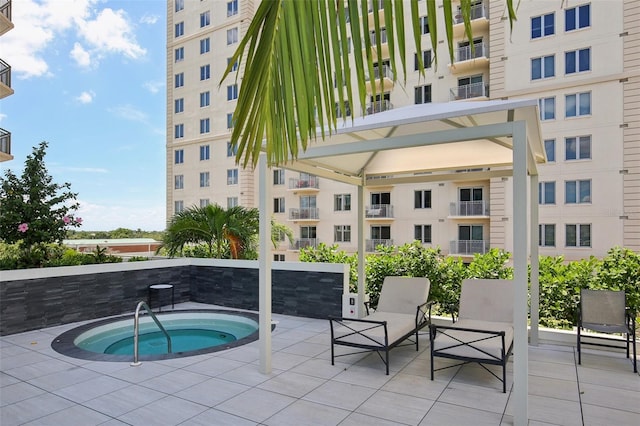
42	387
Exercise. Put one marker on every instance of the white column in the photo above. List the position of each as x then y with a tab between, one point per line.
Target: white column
361	249
264	262
535	283
520	246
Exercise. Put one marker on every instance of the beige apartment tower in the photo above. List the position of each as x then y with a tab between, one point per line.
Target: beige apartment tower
579	59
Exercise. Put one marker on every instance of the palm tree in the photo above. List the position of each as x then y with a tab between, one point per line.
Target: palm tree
226	233
278	231
293	52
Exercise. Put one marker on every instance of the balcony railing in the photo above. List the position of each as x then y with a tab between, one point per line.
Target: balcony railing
379	106
370	245
469	208
468	247
465	53
477	11
385	70
5	73
468	91
379	211
5	141
304	213
301	243
312	183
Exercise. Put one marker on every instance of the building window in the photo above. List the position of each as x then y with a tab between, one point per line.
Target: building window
577	104
546	235
178	206
550	150
204	99
546	192
205	72
230	120
205	45
278	177
178	105
578	235
543	67
204	179
232	202
278	257
342	202
179	54
342	233
232	92
543	26
231	150
235	64
577	148
577	191
179	156
204	202
426	59
422	233
178	181
424	25
232	176
204	126
547	107
179	5
423	94
205	19
422	199
204	152
179	131
380	232
308	233
232	8
577	17
577	61
180	79
232	36
278	205
179	29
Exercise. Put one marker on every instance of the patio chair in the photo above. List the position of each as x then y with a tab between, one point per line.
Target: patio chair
483	332
402	311
605	311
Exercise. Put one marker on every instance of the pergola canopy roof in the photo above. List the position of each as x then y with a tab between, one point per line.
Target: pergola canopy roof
426	142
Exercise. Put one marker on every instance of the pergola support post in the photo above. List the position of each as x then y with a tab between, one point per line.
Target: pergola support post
264	271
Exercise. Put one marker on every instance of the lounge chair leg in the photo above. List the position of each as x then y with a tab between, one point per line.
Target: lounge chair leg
504	378
579	352
387	357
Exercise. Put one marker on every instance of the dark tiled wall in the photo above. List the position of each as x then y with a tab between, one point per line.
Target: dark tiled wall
45	302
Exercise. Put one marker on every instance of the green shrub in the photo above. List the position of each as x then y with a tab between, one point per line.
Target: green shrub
330	254
138	258
620	270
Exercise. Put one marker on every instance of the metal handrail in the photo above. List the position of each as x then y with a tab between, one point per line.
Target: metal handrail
136	331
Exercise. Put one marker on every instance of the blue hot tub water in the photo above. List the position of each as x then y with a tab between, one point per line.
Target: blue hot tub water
188	331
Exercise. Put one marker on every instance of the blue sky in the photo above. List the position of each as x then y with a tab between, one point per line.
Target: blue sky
89	78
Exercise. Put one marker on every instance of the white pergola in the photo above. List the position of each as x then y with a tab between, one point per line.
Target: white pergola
432	143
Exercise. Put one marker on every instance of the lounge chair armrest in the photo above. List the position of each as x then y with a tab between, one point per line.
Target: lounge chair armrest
343	319
473	330
423	313
367	305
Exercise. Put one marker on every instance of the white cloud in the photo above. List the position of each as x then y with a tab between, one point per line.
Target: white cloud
81	56
129	112
154	86
38	23
149	19
2	116
86	97
108	216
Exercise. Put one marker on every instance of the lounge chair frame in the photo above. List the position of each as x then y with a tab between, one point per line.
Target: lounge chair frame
364	331
497	337
628	329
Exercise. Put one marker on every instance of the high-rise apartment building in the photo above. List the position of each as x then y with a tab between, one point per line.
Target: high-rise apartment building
580	59
5	79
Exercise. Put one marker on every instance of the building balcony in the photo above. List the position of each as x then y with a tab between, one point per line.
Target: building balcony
378	106
479	20
379	211
5	80
468	59
384	45
301	243
469	209
311	184
5	145
371	245
309	213
376	7
469	91
5	17
468	247
387	79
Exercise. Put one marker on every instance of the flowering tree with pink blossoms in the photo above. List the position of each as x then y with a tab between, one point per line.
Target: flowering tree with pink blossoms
34	210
